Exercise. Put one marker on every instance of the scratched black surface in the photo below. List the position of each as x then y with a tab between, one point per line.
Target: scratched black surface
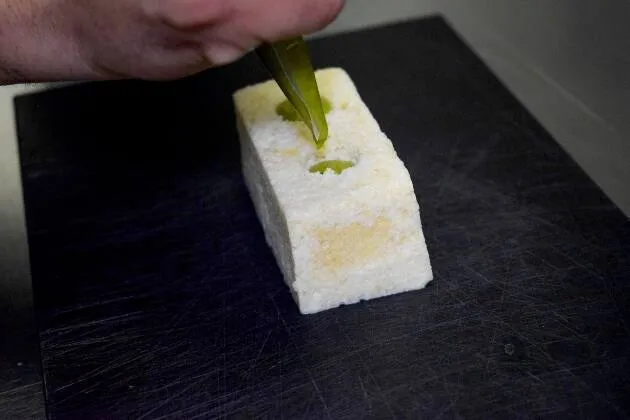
157	296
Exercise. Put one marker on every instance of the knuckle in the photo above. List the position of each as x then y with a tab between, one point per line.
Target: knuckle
190	14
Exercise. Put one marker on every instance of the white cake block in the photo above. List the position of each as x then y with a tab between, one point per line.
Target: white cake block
338	238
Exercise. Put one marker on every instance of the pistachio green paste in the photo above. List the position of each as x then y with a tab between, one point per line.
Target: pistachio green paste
338	166
287	111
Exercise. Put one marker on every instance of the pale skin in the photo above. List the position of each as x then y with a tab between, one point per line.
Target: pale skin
73	40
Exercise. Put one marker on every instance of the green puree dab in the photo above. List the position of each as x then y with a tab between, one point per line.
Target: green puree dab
289	113
338	166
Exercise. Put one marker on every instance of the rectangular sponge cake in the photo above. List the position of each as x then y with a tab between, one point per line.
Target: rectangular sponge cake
338	238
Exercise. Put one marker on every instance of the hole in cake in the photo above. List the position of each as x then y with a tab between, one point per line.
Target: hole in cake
288	112
336	165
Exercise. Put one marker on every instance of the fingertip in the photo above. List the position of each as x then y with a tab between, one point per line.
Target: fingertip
220	53
319	14
330	11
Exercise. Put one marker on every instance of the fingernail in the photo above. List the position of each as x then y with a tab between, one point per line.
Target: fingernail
219	54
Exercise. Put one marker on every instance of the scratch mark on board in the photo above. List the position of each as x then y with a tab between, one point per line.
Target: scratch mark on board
319	394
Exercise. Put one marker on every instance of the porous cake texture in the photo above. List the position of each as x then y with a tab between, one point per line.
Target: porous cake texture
338	238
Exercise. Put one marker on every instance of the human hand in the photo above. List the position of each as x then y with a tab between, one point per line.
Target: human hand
49	40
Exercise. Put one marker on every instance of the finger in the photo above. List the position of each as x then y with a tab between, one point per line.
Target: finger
271	20
251	22
227	29
188	15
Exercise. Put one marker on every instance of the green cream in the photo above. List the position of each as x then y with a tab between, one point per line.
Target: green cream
288	112
338	166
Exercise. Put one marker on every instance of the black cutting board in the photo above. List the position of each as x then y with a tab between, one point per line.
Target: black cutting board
157	295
